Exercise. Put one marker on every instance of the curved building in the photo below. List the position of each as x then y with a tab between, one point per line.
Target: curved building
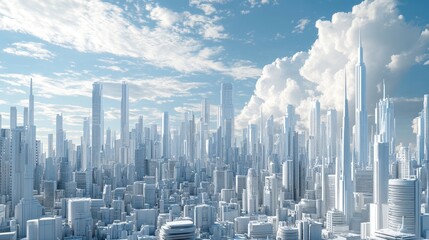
404	205
181	229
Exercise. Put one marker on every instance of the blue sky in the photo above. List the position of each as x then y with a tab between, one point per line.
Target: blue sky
174	53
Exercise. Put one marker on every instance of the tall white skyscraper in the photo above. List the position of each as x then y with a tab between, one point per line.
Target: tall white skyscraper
50	145
344	186
13	118
125	122
86	156
426	125
361	115
59	146
125	125
165	131
288	132
227	114
28	207
97	123
426	140
385	122
314	134
381	180
252	191
331	134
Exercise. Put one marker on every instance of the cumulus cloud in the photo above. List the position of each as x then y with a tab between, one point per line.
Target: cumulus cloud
302	23
101	27
30	49
319	73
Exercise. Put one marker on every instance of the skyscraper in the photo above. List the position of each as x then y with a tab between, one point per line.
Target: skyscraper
314	134
227	114
361	115
165	131
385	121
125	122
59	146
28	207
344	193
426	140
13	118
97	123
331	134
381	179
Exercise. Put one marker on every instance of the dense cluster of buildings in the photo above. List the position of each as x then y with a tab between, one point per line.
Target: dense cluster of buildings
197	181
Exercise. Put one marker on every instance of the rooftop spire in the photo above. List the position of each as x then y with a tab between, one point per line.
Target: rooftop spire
31	86
384	89
360	50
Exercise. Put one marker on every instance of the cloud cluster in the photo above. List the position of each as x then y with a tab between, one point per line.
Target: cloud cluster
319	73
101	27
29	49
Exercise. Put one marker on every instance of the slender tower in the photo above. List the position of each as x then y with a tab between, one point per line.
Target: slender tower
97	123
28	207
344	194
125	125
361	136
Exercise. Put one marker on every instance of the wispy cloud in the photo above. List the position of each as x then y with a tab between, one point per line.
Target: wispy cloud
167	44
302	23
30	49
113	68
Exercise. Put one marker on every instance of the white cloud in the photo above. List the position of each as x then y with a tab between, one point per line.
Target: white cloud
29	49
101	27
151	89
319	73
113	68
164	16
302	23
258	3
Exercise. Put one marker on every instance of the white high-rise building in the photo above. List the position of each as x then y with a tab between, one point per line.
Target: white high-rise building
59	146
13	118
381	178
86	156
420	142
344	186
125	122
404	206
331	135
385	122
97	123
226	114
426	125
314	134
361	115
79	216
28	207
288	132
252	191
125	125
165	132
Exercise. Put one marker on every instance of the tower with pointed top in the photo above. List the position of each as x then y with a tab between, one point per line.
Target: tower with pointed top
344	186
361	135
23	155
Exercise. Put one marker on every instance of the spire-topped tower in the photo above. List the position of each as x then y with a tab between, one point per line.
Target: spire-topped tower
31	104
361	135
344	186
360	50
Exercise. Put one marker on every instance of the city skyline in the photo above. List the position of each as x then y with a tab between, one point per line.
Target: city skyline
396	63
327	143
